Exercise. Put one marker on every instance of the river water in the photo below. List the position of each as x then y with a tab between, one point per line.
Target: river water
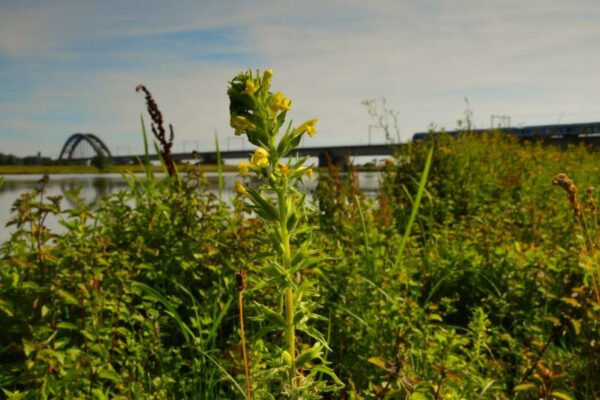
96	186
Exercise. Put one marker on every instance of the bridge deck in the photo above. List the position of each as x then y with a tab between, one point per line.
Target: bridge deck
337	154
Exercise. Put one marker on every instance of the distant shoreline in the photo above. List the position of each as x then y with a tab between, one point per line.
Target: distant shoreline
117	169
88	169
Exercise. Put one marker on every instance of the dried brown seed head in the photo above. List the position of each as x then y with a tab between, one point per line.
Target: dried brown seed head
240	278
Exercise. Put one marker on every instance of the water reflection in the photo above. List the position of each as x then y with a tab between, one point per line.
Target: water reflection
93	190
94	187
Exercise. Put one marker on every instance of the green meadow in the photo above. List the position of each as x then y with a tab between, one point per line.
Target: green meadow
473	273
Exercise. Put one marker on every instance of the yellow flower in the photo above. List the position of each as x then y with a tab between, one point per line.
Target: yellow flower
241	125
280	102
251	87
283	168
260	158
244	168
308	127
240	189
267	75
309	173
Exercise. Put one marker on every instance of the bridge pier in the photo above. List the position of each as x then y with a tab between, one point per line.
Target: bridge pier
208	159
327	157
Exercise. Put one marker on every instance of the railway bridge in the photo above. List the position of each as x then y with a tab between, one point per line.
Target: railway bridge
82	147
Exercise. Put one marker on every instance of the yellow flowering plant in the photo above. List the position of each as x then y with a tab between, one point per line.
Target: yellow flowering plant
298	368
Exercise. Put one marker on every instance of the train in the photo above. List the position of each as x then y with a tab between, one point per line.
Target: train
534	132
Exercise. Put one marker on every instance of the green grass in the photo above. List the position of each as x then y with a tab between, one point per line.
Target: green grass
477	282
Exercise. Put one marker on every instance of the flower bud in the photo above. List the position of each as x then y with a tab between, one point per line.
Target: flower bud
260	158
241	124
240	189
279	102
251	87
309	173
267	75
244	168
309	127
283	168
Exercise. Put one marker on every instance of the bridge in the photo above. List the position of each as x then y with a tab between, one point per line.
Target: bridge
82	147
325	155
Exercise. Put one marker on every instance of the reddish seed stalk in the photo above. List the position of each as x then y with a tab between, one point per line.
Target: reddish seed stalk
158	130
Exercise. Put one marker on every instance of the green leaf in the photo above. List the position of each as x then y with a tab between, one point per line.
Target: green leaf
266	209
576	325
16	395
291	222
435	317
28	348
68	297
99	395
379	362
273	316
524	387
327	371
109	375
67	325
309	355
561	395
4	306
88	335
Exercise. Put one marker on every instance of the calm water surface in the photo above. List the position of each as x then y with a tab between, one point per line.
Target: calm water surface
96	186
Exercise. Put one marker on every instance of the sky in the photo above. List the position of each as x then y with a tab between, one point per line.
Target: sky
72	66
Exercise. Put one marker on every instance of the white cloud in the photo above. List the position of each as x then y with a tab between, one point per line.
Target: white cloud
534	60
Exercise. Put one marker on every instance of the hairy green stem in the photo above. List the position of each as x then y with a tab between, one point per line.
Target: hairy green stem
290	329
291	333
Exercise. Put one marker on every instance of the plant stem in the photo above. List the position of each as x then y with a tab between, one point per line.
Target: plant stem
242	334
290	331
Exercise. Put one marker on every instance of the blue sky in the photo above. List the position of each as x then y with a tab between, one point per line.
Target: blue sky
72	66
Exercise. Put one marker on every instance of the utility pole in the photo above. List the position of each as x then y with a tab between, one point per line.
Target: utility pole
126	152
230	139
503	121
371	132
194	142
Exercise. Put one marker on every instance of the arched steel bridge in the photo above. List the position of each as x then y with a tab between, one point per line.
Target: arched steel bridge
75	148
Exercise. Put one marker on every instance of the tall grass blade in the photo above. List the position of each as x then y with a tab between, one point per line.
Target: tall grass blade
415	210
227	374
365	235
147	164
172	311
191	339
219	167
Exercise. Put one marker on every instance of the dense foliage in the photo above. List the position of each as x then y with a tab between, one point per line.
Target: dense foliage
494	295
11	159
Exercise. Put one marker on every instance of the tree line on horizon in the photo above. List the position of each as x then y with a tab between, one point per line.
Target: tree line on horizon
11	159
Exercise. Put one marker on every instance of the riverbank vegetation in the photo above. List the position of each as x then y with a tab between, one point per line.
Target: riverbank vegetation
472	274
11	159
110	169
